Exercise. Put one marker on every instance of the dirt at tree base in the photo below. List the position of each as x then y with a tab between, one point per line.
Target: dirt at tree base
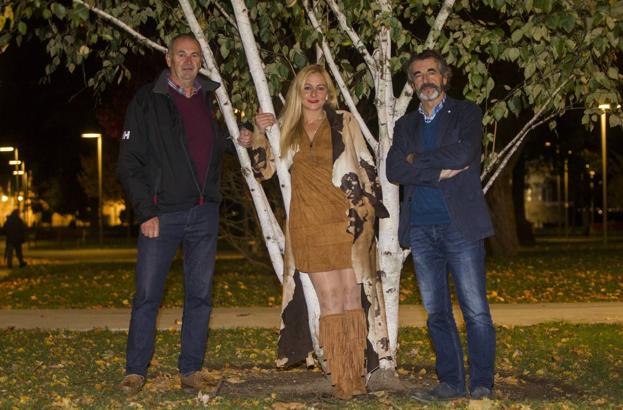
300	384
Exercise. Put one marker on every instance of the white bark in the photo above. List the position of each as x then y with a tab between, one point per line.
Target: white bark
261	86
512	146
390	254
407	91
123	26
263	94
339	80
272	232
354	37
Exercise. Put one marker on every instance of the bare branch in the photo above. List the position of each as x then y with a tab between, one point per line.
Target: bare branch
525	129
514	146
123	26
229	19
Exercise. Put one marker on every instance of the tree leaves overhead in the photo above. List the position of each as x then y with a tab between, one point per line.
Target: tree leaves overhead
515	52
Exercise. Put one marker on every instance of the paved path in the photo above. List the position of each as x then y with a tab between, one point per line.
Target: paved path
266	317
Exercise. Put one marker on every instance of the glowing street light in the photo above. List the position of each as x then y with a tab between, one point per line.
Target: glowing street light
604	185
98	136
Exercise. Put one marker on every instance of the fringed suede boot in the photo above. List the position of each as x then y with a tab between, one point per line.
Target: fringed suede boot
356	337
333	342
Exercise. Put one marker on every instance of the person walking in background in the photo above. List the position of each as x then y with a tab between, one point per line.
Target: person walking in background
444	218
329	232
15	231
170	165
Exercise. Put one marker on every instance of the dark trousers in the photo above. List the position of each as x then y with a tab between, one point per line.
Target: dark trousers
197	230
9	254
437	250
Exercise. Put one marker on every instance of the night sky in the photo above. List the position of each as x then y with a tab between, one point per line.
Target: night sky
45	120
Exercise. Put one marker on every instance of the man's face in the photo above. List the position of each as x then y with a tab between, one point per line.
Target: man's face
184	61
428	82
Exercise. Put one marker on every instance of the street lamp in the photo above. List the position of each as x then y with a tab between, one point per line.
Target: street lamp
604	184
99	181
14	162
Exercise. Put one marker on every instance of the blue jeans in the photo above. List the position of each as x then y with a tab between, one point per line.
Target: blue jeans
197	230
437	250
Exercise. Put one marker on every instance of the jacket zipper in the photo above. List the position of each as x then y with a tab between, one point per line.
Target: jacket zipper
156	186
186	155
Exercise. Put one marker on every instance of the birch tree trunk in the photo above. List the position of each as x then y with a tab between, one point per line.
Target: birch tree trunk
273	235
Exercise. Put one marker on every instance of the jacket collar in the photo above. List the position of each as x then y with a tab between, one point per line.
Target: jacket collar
161	86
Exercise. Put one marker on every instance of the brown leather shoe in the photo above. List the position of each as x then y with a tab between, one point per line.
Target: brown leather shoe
132	384
193	382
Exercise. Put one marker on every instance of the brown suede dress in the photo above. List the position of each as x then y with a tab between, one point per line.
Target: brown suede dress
318	210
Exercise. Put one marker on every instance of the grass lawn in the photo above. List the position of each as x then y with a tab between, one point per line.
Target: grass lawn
546	366
555	272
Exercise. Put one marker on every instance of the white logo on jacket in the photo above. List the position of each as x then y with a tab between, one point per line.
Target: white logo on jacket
125	135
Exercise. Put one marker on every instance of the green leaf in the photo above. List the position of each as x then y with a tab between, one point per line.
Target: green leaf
82	12
517	35
567	22
58	10
299	60
529	70
613	73
500	111
21	27
512	53
514	104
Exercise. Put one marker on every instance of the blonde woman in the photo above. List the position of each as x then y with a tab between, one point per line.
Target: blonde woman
329	234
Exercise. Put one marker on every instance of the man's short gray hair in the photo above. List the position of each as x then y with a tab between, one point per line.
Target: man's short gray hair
444	69
188	36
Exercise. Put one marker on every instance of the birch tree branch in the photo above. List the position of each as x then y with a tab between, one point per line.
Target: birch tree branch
406	94
229	19
275	241
513	147
521	133
346	95
440	21
354	37
123	26
263	94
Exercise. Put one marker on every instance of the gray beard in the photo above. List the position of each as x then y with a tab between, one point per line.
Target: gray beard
428	97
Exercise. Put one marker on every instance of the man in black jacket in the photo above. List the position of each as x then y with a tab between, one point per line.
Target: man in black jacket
15	231
169	165
444	218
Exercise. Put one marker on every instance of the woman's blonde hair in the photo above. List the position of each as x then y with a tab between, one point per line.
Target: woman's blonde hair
291	118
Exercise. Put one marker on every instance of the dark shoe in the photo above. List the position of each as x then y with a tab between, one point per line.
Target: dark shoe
481	392
193	382
22	264
132	384
442	392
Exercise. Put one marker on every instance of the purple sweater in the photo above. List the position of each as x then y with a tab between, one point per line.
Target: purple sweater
197	122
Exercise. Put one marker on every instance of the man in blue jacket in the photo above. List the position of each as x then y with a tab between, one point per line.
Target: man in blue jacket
444	219
170	165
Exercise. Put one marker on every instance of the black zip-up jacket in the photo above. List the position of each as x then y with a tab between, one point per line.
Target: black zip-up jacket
155	166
